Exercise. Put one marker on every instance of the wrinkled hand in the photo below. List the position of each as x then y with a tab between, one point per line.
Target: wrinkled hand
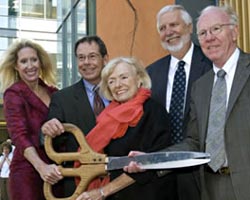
52	128
50	174
134	167
91	195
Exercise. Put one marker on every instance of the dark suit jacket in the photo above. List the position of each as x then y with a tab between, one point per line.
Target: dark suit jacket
66	104
71	105
237	127
158	71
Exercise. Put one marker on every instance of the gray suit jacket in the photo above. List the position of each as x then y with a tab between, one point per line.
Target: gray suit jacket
237	127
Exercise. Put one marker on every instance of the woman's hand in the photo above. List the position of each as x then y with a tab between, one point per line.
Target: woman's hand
112	187
50	173
96	194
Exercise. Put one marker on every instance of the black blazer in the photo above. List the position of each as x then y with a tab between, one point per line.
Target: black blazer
150	134
158	72
71	105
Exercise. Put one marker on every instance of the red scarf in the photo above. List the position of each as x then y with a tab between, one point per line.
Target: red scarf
113	123
115	119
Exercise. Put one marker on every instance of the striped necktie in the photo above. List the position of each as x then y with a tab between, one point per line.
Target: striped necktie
217	114
98	105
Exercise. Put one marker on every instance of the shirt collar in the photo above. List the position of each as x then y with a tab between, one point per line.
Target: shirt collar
230	64
187	58
89	87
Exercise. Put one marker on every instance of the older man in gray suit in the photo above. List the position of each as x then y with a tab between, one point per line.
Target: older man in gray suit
218	40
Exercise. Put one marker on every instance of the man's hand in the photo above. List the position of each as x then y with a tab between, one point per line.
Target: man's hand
52	128
134	167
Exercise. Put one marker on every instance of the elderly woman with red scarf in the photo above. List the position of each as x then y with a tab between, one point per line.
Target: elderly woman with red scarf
132	121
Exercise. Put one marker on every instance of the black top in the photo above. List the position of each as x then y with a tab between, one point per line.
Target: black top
151	134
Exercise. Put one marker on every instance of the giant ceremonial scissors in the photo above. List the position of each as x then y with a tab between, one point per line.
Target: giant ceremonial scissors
93	164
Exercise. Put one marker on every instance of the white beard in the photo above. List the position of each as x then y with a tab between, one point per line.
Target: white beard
174	48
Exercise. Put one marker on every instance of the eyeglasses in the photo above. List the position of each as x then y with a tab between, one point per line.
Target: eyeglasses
214	30
91	57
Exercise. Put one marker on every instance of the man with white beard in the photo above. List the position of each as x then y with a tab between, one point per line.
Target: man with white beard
175	27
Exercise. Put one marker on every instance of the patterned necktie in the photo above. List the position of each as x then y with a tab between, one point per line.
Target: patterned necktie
98	103
217	114
176	110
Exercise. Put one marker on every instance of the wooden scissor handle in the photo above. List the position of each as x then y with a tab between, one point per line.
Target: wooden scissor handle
92	163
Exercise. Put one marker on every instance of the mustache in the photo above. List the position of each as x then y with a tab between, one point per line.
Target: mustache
171	37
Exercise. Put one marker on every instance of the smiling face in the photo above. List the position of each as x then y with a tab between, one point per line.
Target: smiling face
218	48
28	65
175	34
90	61
123	82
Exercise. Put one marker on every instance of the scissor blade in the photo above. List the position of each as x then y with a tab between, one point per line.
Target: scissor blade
160	160
177	164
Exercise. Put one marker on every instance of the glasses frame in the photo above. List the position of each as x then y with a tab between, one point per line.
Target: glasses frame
91	57
213	30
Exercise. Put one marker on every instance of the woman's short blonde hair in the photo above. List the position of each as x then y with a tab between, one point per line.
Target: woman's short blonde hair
8	73
137	65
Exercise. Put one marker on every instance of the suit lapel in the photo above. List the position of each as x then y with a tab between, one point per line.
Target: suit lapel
31	98
199	66
195	72
241	76
161	83
208	83
82	102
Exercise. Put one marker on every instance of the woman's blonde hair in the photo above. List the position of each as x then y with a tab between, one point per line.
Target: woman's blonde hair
140	71
8	73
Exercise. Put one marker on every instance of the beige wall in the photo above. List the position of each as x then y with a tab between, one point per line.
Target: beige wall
242	9
115	24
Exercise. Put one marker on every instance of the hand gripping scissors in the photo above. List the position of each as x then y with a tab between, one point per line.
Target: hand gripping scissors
92	163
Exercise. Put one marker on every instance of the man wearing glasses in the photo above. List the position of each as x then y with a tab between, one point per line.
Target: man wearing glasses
75	104
220	109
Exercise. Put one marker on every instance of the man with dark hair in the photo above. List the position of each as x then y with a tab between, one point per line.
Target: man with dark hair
75	104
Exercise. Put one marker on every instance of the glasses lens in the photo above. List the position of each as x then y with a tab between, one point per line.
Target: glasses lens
216	29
